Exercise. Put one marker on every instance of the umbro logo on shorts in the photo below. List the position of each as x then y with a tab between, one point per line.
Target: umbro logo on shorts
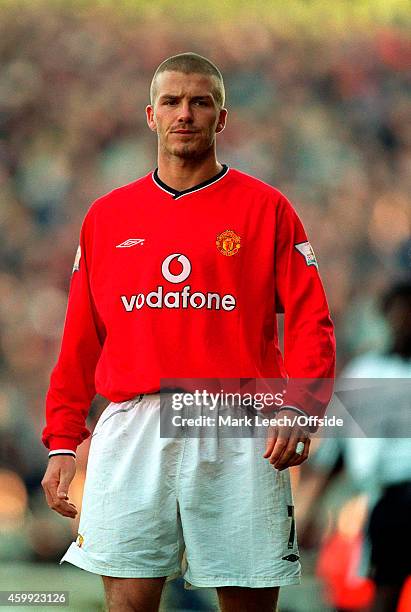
131	242
291	557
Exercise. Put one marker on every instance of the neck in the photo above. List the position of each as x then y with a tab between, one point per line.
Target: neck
181	174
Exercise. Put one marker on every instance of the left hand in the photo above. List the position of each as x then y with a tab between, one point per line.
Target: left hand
282	443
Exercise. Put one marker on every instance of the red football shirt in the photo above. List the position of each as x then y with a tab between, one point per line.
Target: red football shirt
170	284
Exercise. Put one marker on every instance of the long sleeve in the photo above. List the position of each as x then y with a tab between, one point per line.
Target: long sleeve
72	387
309	343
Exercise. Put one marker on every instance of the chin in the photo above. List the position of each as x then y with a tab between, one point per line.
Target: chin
187	152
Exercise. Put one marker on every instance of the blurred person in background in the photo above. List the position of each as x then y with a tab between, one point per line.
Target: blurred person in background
378	467
152	504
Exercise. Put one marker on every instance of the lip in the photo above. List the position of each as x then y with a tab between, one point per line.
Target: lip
183	132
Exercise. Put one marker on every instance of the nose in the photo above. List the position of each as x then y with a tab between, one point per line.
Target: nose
185	115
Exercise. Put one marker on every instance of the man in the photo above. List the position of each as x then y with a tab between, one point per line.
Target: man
179	275
377	466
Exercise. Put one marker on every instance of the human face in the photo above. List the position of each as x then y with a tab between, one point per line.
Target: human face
185	114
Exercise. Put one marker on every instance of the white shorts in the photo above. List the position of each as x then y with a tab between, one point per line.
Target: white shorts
210	509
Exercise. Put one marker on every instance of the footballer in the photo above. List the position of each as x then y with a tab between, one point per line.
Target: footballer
180	275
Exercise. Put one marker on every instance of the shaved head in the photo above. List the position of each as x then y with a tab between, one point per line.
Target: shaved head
189	63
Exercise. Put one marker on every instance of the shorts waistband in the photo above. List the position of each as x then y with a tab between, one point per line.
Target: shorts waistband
156	396
149	396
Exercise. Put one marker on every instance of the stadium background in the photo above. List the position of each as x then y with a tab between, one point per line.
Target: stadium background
317	104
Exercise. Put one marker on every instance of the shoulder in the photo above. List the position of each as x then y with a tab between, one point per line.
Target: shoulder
108	201
264	195
257	186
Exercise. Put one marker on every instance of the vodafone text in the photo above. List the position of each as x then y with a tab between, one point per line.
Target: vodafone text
178	299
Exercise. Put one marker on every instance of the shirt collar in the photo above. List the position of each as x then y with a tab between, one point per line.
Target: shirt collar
179	194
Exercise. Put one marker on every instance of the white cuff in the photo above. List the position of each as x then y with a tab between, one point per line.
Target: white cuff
62	451
294	409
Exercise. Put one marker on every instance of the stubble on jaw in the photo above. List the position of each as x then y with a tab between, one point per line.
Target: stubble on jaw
186	152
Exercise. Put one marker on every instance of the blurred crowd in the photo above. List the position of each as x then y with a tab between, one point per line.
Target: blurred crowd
322	118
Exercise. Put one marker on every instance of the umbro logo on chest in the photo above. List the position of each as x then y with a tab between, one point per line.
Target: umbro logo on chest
131	242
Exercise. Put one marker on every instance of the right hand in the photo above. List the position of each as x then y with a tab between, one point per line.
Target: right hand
59	474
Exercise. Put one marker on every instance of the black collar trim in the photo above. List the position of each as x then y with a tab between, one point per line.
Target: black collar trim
179	194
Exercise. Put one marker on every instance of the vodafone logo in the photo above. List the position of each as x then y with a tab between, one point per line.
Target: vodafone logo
184	274
184	298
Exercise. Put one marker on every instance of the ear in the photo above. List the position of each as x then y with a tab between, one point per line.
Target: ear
151	122
222	120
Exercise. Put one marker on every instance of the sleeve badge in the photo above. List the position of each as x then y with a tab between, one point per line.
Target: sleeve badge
76	265
307	252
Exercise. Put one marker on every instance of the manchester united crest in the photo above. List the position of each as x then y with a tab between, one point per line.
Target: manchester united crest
228	243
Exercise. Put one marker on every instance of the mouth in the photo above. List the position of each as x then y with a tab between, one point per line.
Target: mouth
184	132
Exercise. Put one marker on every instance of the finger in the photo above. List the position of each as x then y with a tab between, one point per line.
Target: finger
271	440
61	506
279	447
54	502
65	508
286	459
50	488
289	453
50	485
66	513
304	456
300	457
63	487
69	513
49	498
